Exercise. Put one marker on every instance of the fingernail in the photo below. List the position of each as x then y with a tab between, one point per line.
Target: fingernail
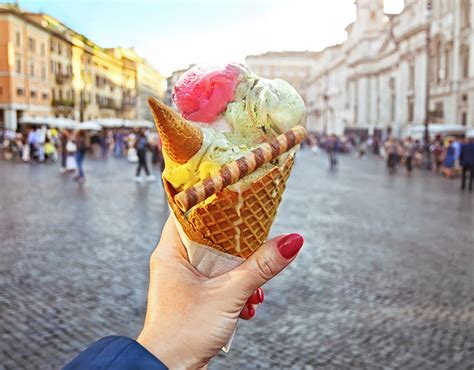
260	295
251	310
289	245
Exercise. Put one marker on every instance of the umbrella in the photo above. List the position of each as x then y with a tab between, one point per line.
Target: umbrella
138	123
110	122
57	122
89	125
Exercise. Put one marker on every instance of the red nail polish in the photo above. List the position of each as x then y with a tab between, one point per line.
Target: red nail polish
289	245
260	295
251	310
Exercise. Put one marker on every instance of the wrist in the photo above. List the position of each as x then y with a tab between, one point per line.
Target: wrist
169	349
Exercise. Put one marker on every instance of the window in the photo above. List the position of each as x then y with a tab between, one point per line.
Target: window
465	63
447	64
465	13
20	92
32	44
33	94
43	71
32	68
43	51
18	64
60	95
52	66
411	110
411	82
464	118
60	49
53	93
51	45
439	110
18	38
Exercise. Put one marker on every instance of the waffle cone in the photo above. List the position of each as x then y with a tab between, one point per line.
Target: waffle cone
250	214
180	138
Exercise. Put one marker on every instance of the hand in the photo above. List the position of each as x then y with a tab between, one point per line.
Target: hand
190	317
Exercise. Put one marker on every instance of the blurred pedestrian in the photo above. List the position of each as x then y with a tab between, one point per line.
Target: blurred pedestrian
331	147
362	149
31	140
467	163
71	149
118	143
410	148
141	146
81	144
104	144
50	151
449	160
437	153
393	155
63	139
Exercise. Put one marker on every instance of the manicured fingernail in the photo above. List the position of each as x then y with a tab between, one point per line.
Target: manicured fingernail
260	295
251	310
289	245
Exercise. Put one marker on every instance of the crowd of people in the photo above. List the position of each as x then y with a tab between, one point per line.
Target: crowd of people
71	148
450	156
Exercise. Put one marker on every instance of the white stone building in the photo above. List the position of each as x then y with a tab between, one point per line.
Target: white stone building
376	79
296	67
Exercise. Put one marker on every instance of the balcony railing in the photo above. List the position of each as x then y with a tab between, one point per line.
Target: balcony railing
62	78
64	103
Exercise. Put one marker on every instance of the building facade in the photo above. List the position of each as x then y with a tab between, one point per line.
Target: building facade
48	69
377	79
25	84
296	67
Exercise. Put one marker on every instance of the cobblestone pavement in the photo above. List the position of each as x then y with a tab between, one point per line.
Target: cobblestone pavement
385	280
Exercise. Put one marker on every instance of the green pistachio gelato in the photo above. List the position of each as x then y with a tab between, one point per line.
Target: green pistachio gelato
264	107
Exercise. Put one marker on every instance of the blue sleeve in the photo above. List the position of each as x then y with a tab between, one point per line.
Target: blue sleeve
118	353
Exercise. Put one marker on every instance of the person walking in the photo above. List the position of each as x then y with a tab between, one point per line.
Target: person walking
31	140
437	152
449	160
467	162
410	149
393	151
331	147
141	146
63	139
81	145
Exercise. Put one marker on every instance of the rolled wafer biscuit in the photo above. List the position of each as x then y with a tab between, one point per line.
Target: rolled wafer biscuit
232	172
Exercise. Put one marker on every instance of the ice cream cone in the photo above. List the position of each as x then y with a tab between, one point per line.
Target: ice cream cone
235	222
180	138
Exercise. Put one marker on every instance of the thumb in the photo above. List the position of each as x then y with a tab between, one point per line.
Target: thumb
267	262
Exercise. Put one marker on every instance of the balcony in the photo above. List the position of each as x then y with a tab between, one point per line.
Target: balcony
62	78
63	104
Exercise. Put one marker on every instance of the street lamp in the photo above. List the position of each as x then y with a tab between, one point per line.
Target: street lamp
427	86
326	119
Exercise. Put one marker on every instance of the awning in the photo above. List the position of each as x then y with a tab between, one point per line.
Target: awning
89	125
57	122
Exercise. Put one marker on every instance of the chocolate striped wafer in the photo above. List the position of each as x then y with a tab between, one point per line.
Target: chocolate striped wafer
232	172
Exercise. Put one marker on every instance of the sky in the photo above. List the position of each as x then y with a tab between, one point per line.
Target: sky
171	34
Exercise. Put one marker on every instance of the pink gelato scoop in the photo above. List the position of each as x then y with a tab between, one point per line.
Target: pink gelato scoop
202	94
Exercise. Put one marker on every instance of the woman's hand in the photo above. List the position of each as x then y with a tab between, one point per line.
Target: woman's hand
190	317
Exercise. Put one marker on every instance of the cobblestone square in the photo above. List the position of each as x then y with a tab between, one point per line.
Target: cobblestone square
385	280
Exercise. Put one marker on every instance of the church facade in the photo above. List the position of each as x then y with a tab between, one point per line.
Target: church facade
376	81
